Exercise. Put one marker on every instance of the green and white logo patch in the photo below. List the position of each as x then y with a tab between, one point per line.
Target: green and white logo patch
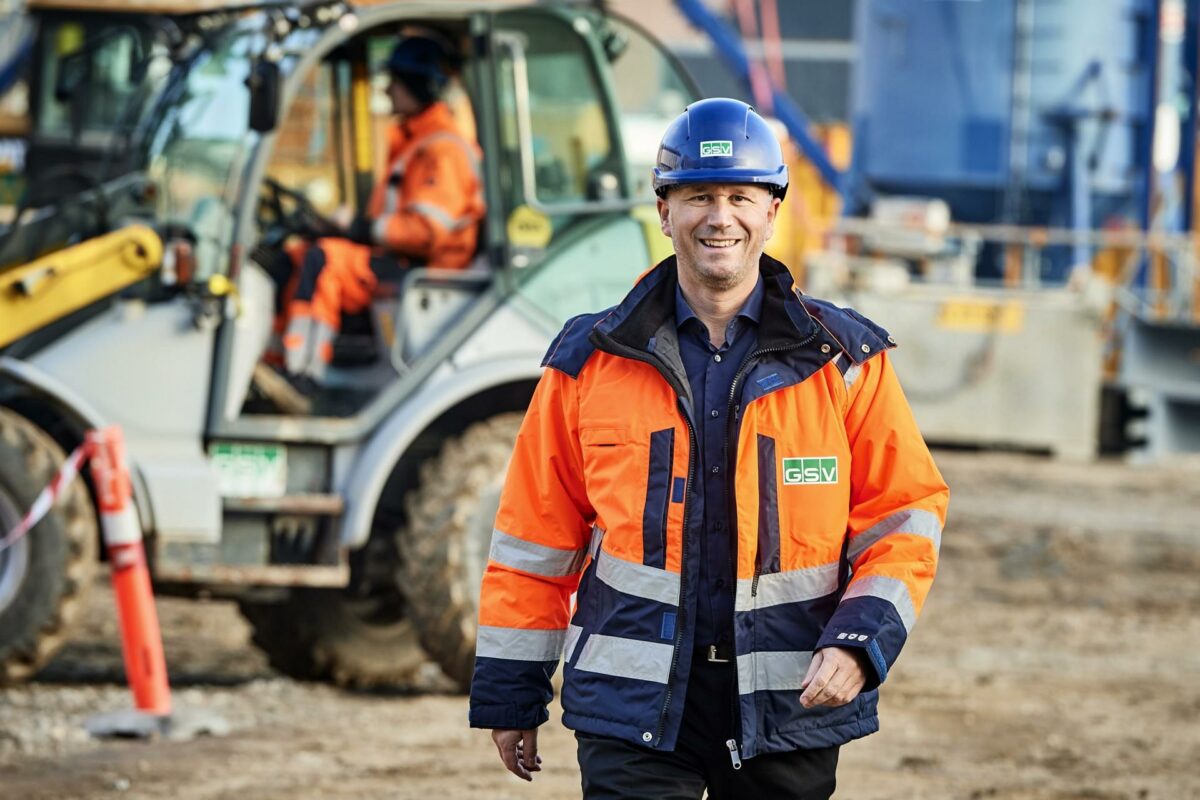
717	148
810	471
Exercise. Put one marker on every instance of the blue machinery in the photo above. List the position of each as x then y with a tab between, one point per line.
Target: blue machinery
1014	112
1077	116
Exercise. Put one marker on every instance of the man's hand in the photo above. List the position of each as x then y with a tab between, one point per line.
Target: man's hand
834	678
518	751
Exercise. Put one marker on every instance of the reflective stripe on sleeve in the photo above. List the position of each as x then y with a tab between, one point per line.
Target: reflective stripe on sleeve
379	228
536	559
915	521
439	215
626	658
638	580
793	586
772	671
893	590
518	644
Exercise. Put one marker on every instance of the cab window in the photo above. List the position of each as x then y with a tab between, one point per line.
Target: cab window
651	91
549	84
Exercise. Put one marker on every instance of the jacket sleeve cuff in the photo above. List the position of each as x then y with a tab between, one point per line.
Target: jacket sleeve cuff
877	672
516	717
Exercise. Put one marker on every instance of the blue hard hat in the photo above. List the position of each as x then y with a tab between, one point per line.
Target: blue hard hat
421	64
720	140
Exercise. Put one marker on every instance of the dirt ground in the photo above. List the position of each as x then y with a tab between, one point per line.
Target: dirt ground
1056	658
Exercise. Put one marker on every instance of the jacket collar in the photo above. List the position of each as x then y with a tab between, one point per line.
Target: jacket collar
651	304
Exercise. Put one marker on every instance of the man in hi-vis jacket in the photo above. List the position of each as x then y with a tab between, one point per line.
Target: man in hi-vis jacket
729	475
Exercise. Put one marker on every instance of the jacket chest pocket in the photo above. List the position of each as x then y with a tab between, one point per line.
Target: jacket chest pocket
630	482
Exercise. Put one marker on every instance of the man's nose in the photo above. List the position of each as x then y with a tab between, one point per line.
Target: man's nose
720	214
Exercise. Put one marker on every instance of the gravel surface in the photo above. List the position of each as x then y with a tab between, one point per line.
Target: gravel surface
1055	659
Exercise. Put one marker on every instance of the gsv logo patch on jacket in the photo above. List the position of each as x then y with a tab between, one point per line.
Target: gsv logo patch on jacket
820	470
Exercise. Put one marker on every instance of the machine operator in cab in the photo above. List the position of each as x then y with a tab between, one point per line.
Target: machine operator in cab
425	211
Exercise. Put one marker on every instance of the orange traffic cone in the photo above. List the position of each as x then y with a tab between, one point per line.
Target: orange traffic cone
141	641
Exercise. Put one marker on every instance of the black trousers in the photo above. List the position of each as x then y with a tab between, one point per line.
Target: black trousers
617	770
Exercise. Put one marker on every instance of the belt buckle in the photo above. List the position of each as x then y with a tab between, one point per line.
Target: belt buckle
713	657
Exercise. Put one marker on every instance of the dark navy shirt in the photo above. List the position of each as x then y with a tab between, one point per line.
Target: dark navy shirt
711	371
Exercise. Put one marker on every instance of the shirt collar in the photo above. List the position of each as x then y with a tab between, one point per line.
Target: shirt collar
751	309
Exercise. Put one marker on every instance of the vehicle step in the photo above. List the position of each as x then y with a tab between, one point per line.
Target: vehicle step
333	575
330	505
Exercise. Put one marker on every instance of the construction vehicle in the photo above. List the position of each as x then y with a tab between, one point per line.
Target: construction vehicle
349	535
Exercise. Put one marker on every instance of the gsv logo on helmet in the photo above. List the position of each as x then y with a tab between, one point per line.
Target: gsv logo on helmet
717	148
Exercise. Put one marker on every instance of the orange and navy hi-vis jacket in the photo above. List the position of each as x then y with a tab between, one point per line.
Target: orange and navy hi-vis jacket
839	511
429	203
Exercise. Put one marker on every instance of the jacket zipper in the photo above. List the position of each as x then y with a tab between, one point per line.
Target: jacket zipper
636	355
730	504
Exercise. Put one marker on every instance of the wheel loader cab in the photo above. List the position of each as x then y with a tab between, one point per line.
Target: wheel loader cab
331	149
530	87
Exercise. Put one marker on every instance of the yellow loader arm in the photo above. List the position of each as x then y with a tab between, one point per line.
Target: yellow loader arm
51	287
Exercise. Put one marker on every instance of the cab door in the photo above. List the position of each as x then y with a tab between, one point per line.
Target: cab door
581	222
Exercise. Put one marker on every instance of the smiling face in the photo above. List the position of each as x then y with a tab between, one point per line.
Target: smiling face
718	230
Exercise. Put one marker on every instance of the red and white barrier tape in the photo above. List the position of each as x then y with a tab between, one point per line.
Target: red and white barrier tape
48	496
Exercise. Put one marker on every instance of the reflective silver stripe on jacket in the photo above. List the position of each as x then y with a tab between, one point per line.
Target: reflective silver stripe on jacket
626	658
536	559
439	215
891	589
391	197
573	632
793	586
597	538
852	375
915	521
772	671
638	580
519	644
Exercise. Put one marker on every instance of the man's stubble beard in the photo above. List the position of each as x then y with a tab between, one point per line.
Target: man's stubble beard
719	282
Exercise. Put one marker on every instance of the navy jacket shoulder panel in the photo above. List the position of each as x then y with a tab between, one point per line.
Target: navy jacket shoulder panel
851	329
571	348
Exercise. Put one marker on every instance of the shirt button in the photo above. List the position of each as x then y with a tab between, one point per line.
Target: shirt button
716	469
717	357
715	413
647	736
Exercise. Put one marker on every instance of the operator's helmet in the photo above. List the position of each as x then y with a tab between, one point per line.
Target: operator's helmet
422	65
720	140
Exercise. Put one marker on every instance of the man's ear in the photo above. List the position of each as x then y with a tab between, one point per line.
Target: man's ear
772	210
664	217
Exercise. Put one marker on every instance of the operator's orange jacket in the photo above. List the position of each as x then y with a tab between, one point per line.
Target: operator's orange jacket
838	512
429	203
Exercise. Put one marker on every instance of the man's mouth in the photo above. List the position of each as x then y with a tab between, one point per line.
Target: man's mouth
719	243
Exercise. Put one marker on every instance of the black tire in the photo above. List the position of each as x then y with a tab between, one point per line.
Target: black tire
444	546
44	576
358	637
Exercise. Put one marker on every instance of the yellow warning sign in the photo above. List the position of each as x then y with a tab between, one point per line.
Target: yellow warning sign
982	316
528	228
